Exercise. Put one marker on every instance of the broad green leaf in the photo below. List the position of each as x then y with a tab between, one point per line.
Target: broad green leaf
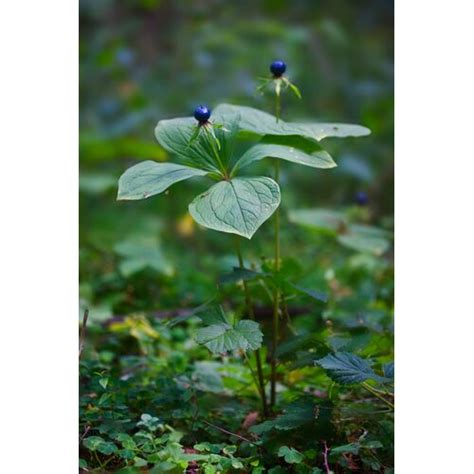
213	315
140	254
206	377
319	219
96	443
221	338
352	448
293	344
240	274
149	178
347	368
296	414
93	442
291	455
365	239
239	206
317	295
96	183
178	136
261	123
290	148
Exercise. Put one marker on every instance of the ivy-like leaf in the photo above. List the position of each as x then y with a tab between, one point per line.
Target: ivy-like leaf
347	368
239	206
223	337
291	455
289	148
149	178
261	123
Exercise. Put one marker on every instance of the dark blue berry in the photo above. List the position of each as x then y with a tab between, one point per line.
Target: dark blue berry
361	198
277	68
202	114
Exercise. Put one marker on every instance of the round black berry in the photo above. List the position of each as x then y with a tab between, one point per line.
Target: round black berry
361	198
277	68
202	114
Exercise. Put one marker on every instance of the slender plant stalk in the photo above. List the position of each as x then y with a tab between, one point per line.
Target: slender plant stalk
249	305
377	395
276	292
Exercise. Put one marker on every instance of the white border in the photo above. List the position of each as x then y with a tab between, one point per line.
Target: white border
39	216
434	236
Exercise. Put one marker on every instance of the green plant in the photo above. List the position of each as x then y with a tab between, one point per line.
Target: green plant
236	204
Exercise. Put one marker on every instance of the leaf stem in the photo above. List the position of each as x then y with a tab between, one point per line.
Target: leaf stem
377	395
210	138
249	305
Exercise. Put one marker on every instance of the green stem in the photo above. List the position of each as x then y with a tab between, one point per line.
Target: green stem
277	107
376	394
276	294
249	305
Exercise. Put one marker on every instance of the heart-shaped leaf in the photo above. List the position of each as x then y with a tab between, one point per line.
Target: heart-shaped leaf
239	206
290	148
149	178
261	123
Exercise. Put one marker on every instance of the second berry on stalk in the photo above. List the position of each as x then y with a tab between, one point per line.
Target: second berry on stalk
277	68
202	114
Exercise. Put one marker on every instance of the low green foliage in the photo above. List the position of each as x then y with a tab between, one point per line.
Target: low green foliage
201	361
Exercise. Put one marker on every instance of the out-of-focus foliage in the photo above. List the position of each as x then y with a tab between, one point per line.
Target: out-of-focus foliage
150	396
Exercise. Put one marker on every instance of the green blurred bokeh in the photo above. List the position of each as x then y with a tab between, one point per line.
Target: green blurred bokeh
144	60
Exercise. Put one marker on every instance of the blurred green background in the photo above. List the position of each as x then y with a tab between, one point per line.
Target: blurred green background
144	60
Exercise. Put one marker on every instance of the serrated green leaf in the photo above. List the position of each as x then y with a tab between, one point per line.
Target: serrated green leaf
149	178
347	368
289	148
214	315
221	338
291	455
239	206
261	123
93	442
